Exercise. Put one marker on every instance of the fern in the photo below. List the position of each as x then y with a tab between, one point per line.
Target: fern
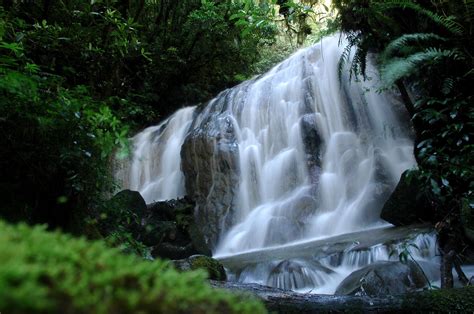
448	85
447	22
408	44
359	62
408	40
345	56
399	68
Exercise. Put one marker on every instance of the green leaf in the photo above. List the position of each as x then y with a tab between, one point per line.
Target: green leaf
236	16
62	199
435	187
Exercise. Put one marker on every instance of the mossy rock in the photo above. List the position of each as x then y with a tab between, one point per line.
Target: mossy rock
45	272
213	267
460	300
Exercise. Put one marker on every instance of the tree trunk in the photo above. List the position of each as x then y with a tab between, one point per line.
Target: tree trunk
447	269
406	98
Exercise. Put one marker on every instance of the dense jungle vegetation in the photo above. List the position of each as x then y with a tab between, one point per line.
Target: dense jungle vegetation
77	78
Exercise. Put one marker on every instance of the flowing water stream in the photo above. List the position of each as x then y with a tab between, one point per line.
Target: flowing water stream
316	158
155	168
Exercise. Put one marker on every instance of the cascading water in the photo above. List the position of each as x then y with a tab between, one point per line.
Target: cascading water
312	158
365	147
155	169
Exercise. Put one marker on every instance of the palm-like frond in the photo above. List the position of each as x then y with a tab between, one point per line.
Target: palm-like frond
406	40
448	85
447	22
353	41
359	62
398	68
346	53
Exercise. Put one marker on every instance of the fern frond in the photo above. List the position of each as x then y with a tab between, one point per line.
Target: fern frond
396	69
438	53
409	40
346	54
399	68
447	22
448	85
359	62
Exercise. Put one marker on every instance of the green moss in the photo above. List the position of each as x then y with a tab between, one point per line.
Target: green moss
214	269
52	272
446	300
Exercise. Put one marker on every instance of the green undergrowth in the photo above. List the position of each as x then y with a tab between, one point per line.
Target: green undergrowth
51	272
459	300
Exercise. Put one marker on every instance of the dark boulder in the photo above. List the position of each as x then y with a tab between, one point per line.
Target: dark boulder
125	210
128	200
162	227
173	251
383	278
170	229
213	267
168	210
210	163
198	239
158	231
408	204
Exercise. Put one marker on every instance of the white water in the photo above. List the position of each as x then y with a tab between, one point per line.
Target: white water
362	134
323	275
365	146
155	169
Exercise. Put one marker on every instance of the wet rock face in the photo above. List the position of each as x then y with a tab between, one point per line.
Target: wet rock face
383	278
210	163
408	204
311	139
312	142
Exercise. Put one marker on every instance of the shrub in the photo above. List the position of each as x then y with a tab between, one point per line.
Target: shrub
49	272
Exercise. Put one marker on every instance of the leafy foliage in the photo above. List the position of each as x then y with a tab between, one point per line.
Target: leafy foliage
401	43
405	256
56	142
71	73
399	68
44	272
139	51
371	25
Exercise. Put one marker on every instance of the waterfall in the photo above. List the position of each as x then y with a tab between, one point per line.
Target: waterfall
155	168
294	155
364	148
